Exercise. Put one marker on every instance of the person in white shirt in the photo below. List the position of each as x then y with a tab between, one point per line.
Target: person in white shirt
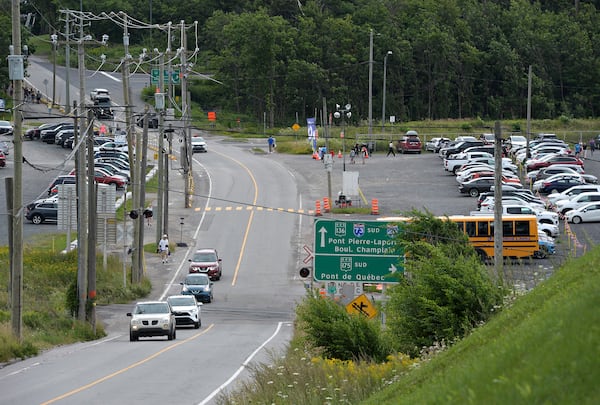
163	248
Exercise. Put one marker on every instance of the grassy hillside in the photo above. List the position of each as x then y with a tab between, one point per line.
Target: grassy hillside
544	349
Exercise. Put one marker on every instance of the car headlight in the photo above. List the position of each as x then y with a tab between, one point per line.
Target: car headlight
185	288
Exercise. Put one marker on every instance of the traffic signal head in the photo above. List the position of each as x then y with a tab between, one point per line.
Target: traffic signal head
304	272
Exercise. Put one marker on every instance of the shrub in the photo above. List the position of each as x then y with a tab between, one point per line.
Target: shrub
445	291
338	334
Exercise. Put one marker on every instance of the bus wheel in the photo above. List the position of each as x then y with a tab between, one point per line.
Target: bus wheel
482	255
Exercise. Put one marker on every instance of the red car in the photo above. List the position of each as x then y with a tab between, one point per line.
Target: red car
2	160
549	160
410	143
104	177
206	261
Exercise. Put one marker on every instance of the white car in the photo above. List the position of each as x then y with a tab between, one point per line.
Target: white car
198	144
587	213
186	310
6	128
567	194
510	207
534	204
119	146
434	144
577	201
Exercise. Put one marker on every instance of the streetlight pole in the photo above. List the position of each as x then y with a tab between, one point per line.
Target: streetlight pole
343	112
384	77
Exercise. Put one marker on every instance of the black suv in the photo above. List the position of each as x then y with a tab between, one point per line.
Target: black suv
49	135
42	210
459	147
152	121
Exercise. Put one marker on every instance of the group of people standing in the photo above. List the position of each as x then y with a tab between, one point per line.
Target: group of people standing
358	150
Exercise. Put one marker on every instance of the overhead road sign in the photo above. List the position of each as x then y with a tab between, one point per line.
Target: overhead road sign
356	251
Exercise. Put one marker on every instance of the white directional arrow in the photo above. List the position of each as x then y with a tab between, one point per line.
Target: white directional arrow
392	269
323	232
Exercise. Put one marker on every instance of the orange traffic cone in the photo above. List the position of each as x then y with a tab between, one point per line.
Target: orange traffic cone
316	156
318	209
326	204
374	206
340	154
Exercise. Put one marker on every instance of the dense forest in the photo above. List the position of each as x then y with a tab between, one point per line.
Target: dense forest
443	58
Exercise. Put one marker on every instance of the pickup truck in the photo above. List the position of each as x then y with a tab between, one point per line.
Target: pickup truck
454	162
99	92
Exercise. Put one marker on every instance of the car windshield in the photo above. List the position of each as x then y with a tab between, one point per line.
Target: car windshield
152	308
182	301
204	257
198	139
196	280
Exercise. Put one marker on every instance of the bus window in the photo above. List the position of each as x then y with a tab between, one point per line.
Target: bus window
483	228
471	228
507	228
521	228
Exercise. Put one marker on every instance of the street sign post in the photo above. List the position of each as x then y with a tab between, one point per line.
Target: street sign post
356	251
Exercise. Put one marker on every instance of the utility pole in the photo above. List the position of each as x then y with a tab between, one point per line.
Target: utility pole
498	240
133	155
16	61
371	86
143	145
528	151
92	191
187	167
161	152
68	66
82	204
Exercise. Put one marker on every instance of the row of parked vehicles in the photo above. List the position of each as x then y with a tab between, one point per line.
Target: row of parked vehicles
111	167
550	169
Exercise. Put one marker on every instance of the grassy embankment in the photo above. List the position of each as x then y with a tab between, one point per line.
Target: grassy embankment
542	349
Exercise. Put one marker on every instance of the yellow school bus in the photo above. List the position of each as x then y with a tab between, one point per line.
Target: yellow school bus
519	233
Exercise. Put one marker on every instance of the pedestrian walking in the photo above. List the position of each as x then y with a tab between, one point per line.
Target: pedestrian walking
592	145
584	146
577	150
148	214
271	142
391	149
352	156
364	153
163	248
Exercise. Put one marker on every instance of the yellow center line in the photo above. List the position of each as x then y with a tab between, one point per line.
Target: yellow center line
132	366
245	238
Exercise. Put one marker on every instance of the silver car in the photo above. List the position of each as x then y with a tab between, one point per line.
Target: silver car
152	318
4	147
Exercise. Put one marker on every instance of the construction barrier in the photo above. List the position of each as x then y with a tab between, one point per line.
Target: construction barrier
374	206
326	204
318	209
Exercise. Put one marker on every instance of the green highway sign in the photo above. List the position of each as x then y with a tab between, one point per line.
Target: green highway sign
355	251
155	75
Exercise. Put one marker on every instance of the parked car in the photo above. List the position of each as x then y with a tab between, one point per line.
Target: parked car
43	210
575	190
513	207
488	139
476	186
104	177
4	148
113	170
553	159
49	135
454	162
557	183
152	318
6	128
434	144
198	144
112	146
2	160
459	146
515	141
206	261
63	135
587	213
34	133
409	143
546	245
566	169
120	163
63	179
186	310
577	201
112	153
198	285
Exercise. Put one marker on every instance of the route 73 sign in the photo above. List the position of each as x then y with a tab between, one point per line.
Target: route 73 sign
356	251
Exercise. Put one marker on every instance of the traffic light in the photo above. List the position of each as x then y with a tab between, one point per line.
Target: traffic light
304	272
